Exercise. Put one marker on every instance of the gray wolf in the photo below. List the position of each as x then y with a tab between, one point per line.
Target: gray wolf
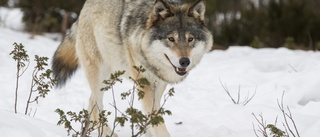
168	38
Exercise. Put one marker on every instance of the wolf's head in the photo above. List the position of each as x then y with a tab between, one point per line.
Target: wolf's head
176	39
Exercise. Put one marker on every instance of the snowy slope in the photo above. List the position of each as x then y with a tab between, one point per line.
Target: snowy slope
200	104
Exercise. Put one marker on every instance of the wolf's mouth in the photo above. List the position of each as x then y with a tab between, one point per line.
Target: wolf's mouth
179	71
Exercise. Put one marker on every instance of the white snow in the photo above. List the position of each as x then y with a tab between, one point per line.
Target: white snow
200	104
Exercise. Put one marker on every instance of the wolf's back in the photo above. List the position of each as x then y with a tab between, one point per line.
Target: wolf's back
65	60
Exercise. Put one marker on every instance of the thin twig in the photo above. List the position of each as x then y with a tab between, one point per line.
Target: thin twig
248	100
254	129
285	128
31	90
24	69
34	114
239	94
276	121
294	124
262	125
16	93
86	128
286	115
115	113
227	91
293	68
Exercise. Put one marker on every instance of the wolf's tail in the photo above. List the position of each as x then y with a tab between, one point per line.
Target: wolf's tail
65	60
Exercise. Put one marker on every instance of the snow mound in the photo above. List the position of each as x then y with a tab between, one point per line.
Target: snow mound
18	125
11	18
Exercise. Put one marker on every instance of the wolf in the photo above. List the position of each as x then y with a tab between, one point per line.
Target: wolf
166	37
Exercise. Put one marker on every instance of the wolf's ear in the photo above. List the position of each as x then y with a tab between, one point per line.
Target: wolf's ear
197	10
159	12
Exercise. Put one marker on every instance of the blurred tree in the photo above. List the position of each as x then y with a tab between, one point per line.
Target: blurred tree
35	14
233	22
273	24
48	15
68	8
4	3
289	43
256	43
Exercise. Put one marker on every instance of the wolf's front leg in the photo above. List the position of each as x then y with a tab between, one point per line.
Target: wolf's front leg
151	102
95	108
95	75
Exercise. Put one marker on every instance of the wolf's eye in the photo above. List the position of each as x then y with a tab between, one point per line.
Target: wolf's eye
190	39
171	39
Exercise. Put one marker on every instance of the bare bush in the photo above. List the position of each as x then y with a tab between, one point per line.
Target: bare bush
246	100
274	131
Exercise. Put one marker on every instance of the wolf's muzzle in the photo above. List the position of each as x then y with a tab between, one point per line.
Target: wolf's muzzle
184	62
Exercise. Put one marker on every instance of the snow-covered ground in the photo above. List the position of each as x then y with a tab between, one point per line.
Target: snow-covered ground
200	105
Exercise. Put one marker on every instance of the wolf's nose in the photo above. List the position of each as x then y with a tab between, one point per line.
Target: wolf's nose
184	62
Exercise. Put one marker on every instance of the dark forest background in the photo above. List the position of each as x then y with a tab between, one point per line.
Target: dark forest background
294	24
